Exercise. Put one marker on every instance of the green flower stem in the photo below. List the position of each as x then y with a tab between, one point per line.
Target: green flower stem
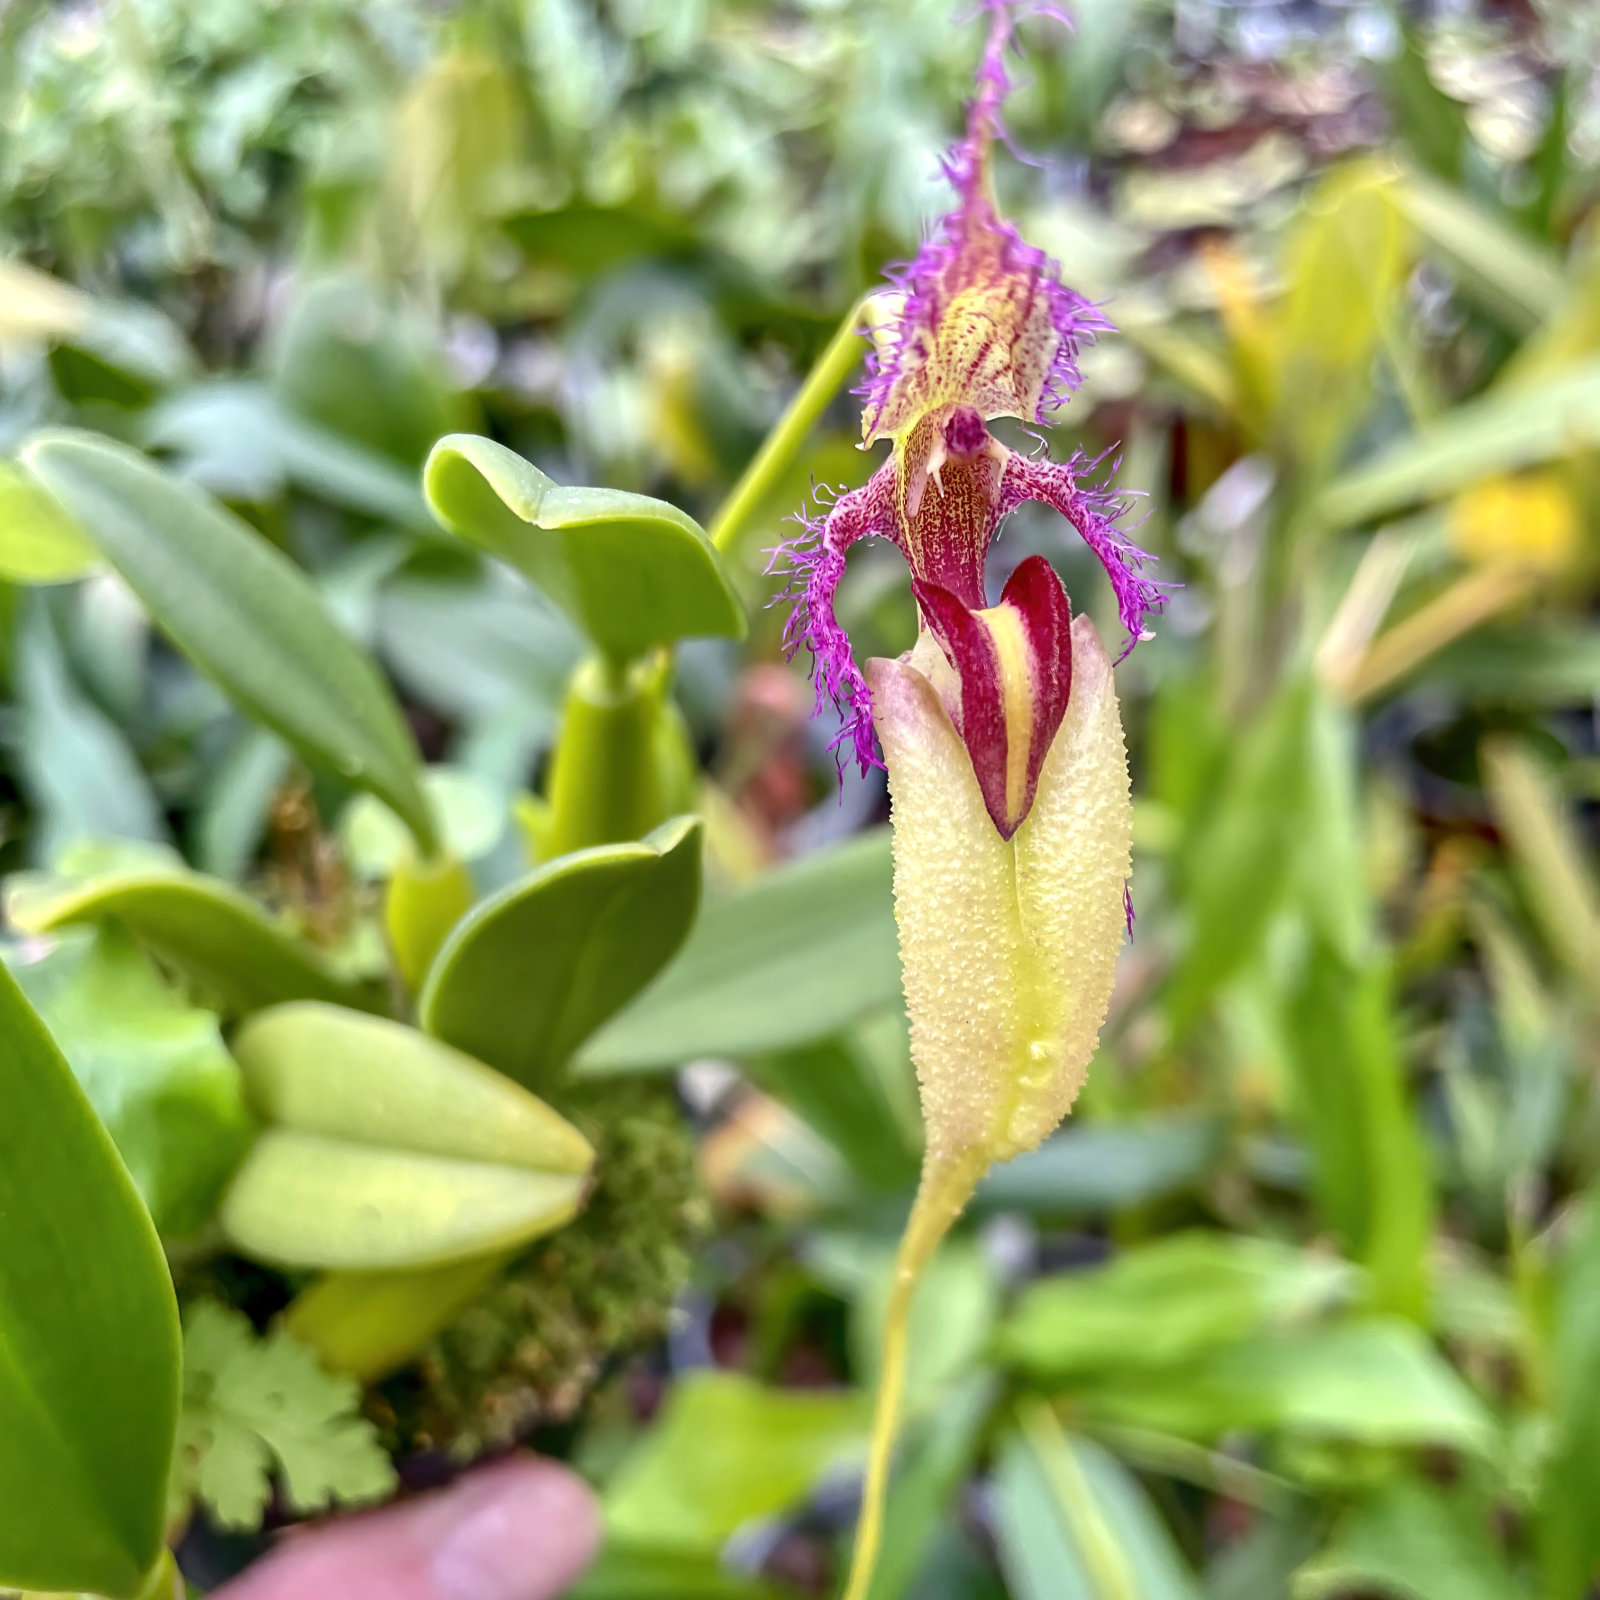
781	446
941	1197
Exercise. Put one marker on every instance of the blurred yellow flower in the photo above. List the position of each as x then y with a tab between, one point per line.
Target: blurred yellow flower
1528	522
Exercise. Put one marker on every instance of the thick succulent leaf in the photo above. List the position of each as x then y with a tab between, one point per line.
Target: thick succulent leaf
389	1150
241	612
633	572
323	1069
529	974
89	1343
203	927
305	1200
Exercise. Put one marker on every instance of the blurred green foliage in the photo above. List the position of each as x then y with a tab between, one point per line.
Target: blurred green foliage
1303	1300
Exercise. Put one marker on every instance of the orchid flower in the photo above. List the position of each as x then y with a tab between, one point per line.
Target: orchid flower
1000	729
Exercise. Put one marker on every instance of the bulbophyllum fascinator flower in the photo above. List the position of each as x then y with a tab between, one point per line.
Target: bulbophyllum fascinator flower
1000	729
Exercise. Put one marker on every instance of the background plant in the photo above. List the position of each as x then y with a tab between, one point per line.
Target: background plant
1301	1302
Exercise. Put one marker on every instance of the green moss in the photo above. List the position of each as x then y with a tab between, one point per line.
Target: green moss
526	1353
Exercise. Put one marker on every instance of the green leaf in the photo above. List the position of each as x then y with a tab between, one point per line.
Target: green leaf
154	1068
305	1200
206	929
74	761
242	612
1199	366
89	1353
1510	273
1370	1167
1374	1381
423	901
237	439
724	1452
1238	861
1414	1541
1346	259
623	763
472	820
39	542
1166	1303
1263	1560
255	1408
1428	122
793	957
1567	1509
1073	1524
322	1069
633	572
628	1572
351	362
530	973
1092	1166
370	1324
1508	428
1548	851
1543	663
390	1150
858	1090
236	805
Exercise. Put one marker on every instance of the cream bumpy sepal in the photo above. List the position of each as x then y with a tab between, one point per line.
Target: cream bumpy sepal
1008	951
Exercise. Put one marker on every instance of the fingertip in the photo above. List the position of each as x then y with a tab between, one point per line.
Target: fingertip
522	1529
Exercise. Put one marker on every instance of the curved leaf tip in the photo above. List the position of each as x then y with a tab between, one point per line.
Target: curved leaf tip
634	572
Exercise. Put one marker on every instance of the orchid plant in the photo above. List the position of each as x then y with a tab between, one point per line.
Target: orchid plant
999	729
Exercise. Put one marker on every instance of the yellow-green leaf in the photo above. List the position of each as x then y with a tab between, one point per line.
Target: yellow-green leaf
39	542
303	1200
529	974
202	926
322	1069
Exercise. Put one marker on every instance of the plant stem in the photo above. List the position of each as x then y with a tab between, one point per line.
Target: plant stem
782	445
940	1198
